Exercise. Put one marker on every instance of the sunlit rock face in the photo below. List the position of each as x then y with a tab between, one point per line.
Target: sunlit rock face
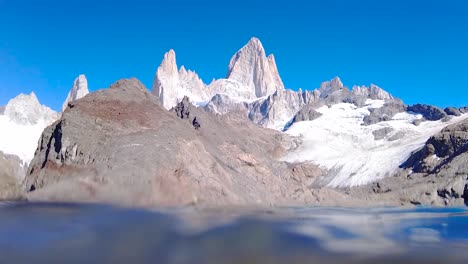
25	109
171	84
251	67
78	90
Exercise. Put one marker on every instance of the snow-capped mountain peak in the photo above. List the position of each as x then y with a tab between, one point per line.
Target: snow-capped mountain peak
182	70
250	67
26	110
251	75
78	90
21	125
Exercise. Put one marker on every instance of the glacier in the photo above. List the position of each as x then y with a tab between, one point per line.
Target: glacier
339	142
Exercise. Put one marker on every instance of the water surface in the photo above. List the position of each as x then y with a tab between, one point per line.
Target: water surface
83	233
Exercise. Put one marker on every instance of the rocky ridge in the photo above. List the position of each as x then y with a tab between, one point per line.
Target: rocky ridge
372	92
189	156
452	111
137	153
429	112
442	149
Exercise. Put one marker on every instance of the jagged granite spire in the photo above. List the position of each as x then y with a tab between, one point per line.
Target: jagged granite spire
251	67
166	81
171	85
78	90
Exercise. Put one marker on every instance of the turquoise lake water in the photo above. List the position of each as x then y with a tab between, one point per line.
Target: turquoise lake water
79	233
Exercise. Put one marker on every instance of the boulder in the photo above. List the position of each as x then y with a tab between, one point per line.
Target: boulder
441	149
418	122
382	133
307	113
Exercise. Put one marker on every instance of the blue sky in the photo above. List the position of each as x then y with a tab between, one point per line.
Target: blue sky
415	49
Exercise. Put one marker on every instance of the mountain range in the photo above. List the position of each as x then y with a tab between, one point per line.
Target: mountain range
241	140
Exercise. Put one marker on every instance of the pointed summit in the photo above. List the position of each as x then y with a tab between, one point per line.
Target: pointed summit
32	96
250	67
26	110
182	70
78	90
169	63
331	86
255	44
171	85
166	81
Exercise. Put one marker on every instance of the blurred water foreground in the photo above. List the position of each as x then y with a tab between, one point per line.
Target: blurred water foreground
79	233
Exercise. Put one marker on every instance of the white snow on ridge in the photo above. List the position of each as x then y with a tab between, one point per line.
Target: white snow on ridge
235	90
339	142
22	125
374	103
20	139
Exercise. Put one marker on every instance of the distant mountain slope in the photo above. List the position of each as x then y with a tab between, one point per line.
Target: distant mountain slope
356	154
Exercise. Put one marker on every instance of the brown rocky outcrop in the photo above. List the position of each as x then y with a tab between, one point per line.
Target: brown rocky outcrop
442	149
120	146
